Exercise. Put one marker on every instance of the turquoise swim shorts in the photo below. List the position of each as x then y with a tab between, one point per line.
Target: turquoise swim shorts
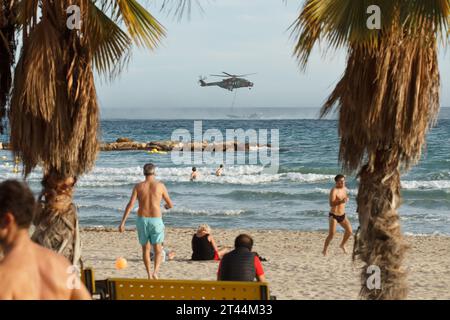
150	229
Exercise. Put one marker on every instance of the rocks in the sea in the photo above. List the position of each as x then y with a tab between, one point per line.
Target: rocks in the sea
122	140
199	146
125	144
164	145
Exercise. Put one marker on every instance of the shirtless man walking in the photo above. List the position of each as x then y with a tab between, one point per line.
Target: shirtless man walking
149	223
338	200
27	270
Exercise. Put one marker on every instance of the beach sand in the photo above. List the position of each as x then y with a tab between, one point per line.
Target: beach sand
296	268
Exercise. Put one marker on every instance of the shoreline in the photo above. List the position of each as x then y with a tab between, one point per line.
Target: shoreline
323	231
295	267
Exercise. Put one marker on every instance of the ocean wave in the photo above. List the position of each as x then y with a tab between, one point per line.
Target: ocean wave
251	179
434	233
204	212
432	184
428	219
259	195
442	175
174	211
136	170
427	203
236	170
6	172
225	179
238	175
104	207
105	182
433	194
308	177
307	170
352	192
247	195
427	216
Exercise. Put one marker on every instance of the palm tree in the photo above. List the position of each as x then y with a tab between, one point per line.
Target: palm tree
53	113
387	99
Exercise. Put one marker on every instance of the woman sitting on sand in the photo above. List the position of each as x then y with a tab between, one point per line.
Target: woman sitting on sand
204	247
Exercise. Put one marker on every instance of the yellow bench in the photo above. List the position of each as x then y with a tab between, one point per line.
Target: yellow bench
140	289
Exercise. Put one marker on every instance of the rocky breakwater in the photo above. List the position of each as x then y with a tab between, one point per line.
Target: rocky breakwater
125	144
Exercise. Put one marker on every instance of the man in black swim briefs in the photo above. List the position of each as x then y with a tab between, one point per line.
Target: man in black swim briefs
338	200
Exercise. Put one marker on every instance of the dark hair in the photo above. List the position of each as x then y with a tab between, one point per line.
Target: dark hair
339	177
244	241
149	169
221	165
194	169
17	199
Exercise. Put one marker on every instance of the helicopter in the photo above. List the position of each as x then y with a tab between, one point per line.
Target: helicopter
232	82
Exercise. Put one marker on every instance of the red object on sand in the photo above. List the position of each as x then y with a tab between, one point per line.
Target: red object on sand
216	256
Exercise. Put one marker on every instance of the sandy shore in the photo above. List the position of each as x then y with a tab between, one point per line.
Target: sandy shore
295	268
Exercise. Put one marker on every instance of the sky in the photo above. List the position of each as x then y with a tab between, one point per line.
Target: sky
238	37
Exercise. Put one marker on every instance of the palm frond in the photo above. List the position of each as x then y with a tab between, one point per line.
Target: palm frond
180	8
387	99
111	46
343	23
54	111
142	27
36	71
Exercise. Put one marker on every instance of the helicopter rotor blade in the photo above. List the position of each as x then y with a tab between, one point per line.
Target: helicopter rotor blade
246	75
218	75
230	75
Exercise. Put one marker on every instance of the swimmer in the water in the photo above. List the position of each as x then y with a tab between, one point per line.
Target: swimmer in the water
219	171
194	174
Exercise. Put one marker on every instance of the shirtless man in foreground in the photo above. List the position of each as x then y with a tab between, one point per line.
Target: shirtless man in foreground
149	223
27	270
338	200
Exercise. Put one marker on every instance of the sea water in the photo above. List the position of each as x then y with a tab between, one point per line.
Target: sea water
295	197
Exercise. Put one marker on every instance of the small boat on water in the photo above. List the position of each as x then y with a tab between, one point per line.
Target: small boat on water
253	116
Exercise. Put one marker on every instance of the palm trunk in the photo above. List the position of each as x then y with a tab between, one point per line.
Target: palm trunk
380	242
56	221
7	52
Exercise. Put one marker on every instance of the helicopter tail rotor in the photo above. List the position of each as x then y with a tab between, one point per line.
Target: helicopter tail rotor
202	81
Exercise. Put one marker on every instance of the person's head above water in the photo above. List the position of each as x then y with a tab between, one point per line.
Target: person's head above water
17	207
149	169
243	241
194	169
340	180
221	166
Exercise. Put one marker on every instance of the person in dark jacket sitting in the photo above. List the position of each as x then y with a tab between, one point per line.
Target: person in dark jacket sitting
204	247
241	264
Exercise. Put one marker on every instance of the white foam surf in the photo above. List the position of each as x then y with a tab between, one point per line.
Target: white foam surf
432	184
